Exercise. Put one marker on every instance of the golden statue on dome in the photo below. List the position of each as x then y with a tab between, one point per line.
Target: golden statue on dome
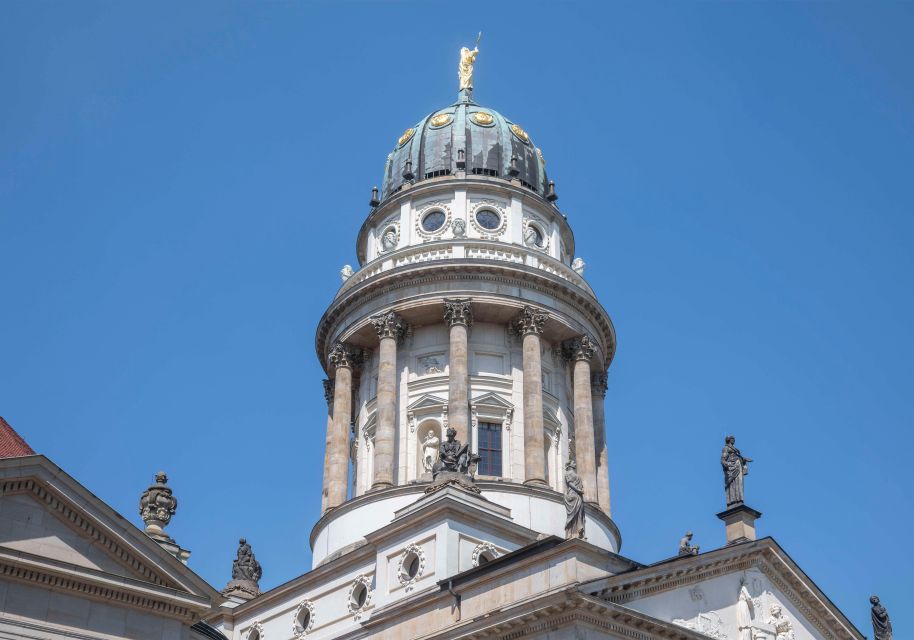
465	68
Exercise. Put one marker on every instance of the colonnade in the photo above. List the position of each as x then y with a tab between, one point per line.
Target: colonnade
588	393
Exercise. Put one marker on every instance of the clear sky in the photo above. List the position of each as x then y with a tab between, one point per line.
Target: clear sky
180	183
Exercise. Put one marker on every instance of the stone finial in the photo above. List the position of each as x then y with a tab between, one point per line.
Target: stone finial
599	383
375	201
329	386
458	311
246	573
577	265
686	548
551	195
530	320
580	348
389	325
157	506
346	272
344	355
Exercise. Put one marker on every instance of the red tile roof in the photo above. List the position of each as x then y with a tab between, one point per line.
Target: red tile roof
11	443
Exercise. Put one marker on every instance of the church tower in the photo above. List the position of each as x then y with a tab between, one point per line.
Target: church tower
469	310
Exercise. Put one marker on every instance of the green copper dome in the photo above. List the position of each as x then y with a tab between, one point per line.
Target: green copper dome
465	137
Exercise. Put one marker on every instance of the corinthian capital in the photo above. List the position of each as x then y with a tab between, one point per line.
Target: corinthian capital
344	355
328	391
458	311
530	320
389	325
580	348
598	384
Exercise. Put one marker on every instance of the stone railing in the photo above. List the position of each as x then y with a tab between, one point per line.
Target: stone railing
466	250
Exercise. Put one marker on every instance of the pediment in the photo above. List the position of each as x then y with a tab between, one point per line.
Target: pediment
491	400
713	592
49	519
427	401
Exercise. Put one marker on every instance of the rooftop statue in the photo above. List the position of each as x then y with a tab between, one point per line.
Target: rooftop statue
882	626
246	573
735	466
686	548
465	68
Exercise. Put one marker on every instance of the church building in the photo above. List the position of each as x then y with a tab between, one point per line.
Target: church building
466	490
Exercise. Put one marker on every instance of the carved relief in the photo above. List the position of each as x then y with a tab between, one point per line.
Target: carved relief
359	596
303	619
706	623
411	566
484	552
431	363
389	237
534	234
255	632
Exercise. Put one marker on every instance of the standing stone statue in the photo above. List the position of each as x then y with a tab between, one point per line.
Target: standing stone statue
574	502
882	626
430	451
246	573
744	610
686	548
735	466
346	272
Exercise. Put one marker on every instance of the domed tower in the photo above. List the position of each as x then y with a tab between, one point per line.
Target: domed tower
468	311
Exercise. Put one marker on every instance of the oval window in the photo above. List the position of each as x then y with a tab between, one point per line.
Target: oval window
433	220
488	219
359	596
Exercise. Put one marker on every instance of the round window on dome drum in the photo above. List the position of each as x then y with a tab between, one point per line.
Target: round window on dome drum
433	220
488	219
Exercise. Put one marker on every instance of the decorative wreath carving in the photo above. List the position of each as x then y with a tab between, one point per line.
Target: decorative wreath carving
437	233
354	608
481	548
255	632
488	234
403	569
300	630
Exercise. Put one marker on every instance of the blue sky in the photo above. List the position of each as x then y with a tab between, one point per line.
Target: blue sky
181	182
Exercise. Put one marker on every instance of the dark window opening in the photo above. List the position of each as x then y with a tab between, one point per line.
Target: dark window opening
489	449
479	171
528	185
439	172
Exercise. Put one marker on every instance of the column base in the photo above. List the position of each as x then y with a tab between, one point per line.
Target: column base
740	523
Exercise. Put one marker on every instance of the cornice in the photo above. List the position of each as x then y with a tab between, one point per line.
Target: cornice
98	585
445	272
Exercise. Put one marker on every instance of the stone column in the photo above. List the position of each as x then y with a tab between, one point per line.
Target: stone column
598	394
529	324
580	351
328	396
390	328
343	358
459	317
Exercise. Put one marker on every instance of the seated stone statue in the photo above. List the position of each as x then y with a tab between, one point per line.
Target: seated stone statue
454	457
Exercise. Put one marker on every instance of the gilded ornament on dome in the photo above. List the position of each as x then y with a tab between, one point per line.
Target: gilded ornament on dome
406	136
440	120
483	118
520	133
